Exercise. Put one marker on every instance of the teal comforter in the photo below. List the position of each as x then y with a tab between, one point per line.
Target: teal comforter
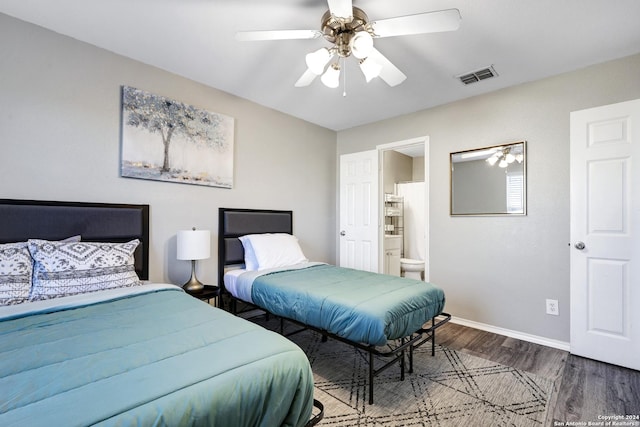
161	359
357	305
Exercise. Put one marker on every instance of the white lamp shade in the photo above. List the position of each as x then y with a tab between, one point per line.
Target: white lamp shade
193	244
361	44
331	77
492	160
370	68
317	60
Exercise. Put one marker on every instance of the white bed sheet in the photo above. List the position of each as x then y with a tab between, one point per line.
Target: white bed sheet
238	282
231	283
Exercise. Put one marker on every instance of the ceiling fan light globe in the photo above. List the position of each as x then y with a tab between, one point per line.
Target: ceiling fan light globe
317	60
370	68
331	77
361	44
492	160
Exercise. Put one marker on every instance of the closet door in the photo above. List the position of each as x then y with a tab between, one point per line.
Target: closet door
605	233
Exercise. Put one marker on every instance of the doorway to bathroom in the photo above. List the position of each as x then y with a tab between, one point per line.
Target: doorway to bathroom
404	208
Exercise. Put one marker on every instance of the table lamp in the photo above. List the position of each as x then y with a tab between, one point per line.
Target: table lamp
193	245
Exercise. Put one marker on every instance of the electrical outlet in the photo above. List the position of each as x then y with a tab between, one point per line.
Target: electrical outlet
552	307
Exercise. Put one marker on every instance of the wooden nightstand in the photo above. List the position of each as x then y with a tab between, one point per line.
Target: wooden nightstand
209	292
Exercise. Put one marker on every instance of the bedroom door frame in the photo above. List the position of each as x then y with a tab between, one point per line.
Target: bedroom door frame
397	146
605	233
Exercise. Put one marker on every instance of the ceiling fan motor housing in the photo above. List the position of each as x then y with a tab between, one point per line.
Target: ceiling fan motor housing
340	31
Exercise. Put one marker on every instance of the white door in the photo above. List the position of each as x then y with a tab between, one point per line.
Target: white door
605	233
359	210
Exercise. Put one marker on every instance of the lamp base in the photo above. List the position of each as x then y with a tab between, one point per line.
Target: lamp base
193	285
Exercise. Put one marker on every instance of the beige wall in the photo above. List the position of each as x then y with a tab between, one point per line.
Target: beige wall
418	169
60	140
500	270
397	168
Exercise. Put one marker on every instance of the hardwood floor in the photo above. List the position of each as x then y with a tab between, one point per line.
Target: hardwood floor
584	389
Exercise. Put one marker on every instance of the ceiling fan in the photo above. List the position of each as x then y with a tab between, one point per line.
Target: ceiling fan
351	32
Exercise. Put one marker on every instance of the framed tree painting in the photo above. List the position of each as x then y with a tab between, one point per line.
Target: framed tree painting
167	140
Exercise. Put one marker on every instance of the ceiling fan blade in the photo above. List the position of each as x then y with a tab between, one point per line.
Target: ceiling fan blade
341	8
306	78
277	35
389	72
421	23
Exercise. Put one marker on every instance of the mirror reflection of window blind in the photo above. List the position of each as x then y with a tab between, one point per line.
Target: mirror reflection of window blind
515	202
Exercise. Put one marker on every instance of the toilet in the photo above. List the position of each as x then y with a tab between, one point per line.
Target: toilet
414	253
412	268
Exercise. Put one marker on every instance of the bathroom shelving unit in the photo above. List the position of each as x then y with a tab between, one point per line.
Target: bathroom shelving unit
393	230
393	214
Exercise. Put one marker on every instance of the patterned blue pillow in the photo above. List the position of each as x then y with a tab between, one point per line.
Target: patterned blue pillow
15	273
69	268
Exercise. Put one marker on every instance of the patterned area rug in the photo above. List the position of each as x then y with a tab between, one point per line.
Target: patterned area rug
450	389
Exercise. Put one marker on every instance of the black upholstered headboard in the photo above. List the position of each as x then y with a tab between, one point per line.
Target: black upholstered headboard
21	220
233	223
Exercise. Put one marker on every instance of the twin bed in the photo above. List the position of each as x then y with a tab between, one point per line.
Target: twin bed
82	342
261	263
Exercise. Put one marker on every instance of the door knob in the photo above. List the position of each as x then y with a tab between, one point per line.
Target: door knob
580	245
343	233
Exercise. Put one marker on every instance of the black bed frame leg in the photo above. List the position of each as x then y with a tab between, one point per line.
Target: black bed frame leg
370	378
411	359
433	337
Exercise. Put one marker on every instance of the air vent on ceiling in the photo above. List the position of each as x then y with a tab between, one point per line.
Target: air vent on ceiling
476	76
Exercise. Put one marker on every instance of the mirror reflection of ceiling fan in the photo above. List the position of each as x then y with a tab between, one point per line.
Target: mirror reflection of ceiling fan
351	32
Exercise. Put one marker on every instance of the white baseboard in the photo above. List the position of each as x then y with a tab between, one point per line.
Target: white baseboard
560	345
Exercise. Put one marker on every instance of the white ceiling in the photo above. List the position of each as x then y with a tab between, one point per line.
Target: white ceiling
524	40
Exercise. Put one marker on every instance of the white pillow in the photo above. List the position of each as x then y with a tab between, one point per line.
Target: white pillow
274	250
250	261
